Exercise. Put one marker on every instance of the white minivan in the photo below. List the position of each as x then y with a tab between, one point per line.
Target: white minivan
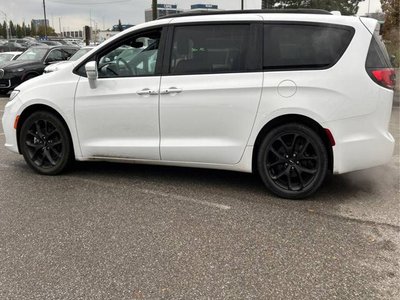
290	95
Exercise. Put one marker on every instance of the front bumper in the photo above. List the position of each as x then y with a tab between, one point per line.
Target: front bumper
10	113
8	84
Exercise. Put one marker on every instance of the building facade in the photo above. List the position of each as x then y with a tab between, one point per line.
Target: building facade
162	10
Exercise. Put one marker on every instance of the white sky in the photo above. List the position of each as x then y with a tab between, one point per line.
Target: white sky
74	14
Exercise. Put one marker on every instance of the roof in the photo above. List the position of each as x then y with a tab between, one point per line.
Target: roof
250	11
56	46
11	52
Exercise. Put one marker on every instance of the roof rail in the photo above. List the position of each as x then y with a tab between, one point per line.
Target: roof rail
249	11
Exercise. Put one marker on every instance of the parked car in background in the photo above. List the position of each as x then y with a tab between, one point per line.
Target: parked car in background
9	56
12	46
292	95
23	42
51	43
31	63
57	66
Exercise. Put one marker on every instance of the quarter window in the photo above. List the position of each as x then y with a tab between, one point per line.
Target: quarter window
209	49
297	46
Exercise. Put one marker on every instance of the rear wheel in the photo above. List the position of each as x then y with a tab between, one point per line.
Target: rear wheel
292	161
45	143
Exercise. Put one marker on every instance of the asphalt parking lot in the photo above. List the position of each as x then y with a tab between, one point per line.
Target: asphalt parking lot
113	231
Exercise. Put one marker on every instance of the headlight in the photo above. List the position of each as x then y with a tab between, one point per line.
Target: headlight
17	70
1	73
13	94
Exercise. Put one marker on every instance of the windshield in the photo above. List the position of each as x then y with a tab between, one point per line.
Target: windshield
79	54
5	57
33	54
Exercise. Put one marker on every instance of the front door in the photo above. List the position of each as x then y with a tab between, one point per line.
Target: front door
119	117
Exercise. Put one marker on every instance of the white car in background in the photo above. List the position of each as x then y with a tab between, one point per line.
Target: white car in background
9	56
57	66
291	95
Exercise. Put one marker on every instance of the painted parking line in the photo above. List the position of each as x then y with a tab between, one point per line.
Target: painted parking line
159	194
187	199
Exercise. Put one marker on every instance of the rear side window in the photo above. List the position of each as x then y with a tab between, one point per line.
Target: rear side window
377	54
205	49
304	47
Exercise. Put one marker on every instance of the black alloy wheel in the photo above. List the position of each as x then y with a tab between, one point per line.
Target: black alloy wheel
45	143
292	161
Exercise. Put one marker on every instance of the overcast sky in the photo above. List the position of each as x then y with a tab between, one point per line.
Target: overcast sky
74	14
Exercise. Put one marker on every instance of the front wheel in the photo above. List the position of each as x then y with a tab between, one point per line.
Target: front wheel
45	143
292	161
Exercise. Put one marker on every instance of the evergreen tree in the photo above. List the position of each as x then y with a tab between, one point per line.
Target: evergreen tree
4	30
19	32
119	25
390	30
13	31
28	31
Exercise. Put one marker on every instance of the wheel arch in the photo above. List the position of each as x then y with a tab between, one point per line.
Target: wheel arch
40	107
293	118
35	74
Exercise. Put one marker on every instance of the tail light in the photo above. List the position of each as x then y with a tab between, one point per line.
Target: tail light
385	77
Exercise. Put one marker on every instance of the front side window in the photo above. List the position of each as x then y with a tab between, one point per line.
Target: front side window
298	46
55	55
136	56
202	49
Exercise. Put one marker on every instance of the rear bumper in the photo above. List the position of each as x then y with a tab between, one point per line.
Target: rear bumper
361	143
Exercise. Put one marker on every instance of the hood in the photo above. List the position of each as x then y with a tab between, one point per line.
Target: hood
19	64
57	66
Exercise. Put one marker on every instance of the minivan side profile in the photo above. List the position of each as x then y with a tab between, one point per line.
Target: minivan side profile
291	96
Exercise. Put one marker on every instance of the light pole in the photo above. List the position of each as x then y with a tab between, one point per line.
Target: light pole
242	4
45	23
5	18
154	9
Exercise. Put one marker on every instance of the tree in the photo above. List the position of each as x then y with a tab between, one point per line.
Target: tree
40	31
4	30
346	7
390	29
33	29
28	31
19	32
13	32
120	25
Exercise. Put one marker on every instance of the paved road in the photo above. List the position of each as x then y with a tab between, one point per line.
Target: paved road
112	231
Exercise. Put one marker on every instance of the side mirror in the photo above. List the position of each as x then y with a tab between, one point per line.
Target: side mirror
92	74
49	61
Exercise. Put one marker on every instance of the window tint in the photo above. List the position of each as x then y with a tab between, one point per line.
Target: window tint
136	56
209	49
296	46
55	55
377	54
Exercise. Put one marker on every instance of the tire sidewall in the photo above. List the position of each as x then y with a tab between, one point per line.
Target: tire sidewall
319	147
66	153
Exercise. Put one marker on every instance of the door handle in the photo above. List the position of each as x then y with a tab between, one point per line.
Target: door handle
171	90
147	92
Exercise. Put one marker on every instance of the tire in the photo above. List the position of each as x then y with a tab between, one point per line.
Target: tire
29	76
292	161
45	143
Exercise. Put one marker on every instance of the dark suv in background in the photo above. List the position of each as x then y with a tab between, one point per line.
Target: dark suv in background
31	63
